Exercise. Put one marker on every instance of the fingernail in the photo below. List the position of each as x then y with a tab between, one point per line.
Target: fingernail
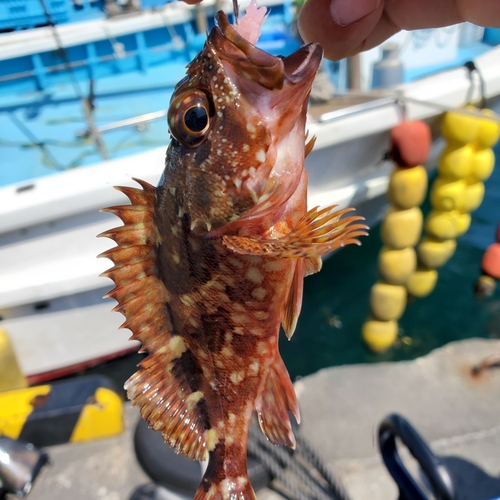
345	12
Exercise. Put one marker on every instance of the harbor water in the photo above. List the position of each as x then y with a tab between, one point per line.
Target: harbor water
336	300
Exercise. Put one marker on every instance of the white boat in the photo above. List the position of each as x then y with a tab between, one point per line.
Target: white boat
50	291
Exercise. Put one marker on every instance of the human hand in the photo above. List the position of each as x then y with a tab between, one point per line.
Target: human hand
346	27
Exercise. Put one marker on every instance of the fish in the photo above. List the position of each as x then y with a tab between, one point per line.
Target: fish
209	264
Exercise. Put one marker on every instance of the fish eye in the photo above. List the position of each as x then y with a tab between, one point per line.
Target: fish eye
196	118
190	117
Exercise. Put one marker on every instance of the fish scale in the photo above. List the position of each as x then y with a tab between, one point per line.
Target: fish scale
210	263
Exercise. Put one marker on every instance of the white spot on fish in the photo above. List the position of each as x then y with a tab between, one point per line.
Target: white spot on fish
261	315
232	418
239	318
227	351
260	156
187	300
254	275
251	127
259	293
237	377
254	367
262	347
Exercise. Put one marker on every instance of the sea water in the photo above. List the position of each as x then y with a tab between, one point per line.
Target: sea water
336	300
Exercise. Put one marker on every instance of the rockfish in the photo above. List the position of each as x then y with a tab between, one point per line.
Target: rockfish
211	262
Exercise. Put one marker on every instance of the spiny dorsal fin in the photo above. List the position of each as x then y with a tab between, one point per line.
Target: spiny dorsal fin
273	404
160	387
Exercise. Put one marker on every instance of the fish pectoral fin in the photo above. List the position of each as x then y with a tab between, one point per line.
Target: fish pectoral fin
273	404
316	233
294	300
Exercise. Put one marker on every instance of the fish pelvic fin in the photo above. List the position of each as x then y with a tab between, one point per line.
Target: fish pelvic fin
160	389
238	488
318	232
273	404
293	303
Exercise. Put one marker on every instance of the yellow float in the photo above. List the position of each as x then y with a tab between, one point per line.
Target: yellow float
434	253
401	228
396	266
400	232
422	282
379	335
387	301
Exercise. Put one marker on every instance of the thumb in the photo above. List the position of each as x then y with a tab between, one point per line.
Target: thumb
345	27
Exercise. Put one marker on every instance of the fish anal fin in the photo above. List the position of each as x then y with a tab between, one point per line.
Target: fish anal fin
318	232
160	388
294	300
167	402
273	404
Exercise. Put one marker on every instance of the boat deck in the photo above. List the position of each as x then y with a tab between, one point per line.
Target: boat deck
341	409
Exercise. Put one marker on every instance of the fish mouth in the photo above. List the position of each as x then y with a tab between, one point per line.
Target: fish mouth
259	66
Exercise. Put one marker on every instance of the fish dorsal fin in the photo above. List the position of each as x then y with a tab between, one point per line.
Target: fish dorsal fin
293	303
160	388
273	404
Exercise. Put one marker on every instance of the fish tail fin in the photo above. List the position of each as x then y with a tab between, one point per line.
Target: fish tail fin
237	488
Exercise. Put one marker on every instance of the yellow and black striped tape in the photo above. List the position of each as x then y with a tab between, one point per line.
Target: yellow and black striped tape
74	410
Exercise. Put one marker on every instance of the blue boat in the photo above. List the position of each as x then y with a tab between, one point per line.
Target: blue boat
84	88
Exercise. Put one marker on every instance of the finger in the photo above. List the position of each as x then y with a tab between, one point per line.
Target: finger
191	2
346	27
345	35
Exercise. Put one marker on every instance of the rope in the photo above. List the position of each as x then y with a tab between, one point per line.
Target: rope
303	474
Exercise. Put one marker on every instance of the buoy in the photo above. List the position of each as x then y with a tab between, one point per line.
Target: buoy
465	163
490	264
448	194
463	223
410	143
459	127
401	228
456	162
483	162
407	186
489	130
396	266
434	253
473	196
387	301
400	232
11	376
379	335
422	282
442	224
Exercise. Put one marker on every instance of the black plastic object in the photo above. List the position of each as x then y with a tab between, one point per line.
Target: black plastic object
394	426
177	472
20	463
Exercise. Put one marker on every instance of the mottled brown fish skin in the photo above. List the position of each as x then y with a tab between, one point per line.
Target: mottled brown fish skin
210	263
